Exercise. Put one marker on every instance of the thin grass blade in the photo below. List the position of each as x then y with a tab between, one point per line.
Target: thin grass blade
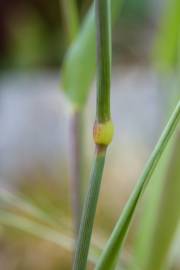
166	59
168	215
108	259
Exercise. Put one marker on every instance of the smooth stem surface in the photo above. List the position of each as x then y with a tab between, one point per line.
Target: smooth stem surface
103	114
103	35
76	165
89	209
70	15
110	254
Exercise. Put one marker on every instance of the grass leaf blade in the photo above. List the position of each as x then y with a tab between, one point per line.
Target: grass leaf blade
111	251
168	214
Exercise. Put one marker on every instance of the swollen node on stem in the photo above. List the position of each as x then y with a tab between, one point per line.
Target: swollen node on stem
103	133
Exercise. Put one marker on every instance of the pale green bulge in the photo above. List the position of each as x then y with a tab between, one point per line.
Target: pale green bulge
103	133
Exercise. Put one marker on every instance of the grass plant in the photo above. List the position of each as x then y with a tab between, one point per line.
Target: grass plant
92	38
102	132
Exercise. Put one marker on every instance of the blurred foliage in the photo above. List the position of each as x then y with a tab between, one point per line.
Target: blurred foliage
80	61
166	51
33	33
168	215
149	235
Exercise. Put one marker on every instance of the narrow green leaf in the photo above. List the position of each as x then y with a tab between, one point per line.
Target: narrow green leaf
166	54
168	215
149	206
80	61
147	218
108	259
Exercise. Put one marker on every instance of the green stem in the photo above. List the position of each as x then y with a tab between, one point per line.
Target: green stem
86	226
111	251
102	115
70	15
103	36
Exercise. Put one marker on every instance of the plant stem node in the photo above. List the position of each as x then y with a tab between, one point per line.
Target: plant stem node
103	132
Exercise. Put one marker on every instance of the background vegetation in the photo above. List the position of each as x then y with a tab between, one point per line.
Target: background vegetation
39	122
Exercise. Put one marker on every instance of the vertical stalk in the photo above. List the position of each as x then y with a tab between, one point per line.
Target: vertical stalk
103	60
103	131
81	254
70	15
76	165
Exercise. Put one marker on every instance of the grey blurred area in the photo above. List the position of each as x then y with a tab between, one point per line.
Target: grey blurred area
33	124
34	152
34	121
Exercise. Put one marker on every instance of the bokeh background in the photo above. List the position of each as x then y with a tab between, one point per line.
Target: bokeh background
35	122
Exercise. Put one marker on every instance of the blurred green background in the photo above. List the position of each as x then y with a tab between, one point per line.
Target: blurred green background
34	124
33	33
